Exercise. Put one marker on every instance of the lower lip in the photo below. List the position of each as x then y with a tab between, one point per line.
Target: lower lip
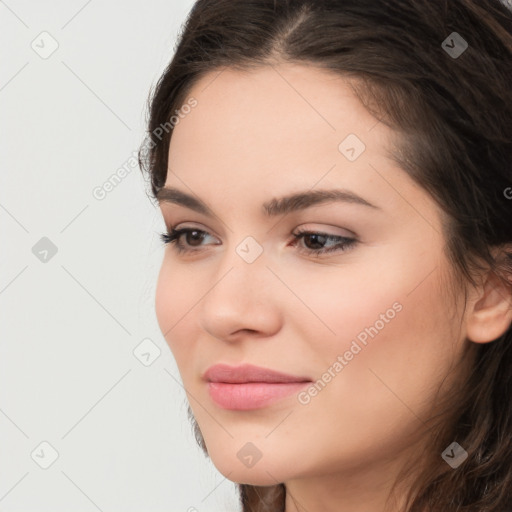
251	395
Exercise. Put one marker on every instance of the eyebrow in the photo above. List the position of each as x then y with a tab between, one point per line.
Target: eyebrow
274	207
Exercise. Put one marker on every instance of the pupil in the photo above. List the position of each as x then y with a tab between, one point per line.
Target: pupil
317	237
196	235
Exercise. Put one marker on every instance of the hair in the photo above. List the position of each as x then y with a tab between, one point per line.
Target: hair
452	116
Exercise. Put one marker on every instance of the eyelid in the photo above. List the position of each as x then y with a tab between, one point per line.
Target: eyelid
302	227
194	225
328	229
343	244
298	231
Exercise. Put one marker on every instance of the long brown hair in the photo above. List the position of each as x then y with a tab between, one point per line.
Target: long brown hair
453	115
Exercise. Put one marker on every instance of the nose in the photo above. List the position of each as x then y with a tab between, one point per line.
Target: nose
243	299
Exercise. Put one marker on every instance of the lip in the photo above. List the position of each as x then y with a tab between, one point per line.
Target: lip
249	387
248	373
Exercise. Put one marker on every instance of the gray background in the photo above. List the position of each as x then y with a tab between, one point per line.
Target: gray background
71	321
74	377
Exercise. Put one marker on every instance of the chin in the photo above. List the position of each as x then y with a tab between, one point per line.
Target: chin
263	473
260	477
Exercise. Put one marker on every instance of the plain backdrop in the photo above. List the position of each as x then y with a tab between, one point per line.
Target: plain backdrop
92	413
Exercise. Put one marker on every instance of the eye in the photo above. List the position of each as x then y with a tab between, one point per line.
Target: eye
174	236
194	237
342	243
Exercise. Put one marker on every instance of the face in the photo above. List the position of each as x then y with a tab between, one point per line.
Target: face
368	321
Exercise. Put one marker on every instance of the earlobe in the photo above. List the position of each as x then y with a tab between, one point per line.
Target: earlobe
491	315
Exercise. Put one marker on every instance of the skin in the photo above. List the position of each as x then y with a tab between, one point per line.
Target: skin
267	133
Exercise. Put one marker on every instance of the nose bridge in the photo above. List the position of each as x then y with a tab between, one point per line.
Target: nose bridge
243	271
240	295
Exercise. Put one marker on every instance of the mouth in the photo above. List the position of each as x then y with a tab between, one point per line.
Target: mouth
250	387
248	373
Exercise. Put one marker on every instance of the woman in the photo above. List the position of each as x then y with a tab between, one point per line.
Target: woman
336	181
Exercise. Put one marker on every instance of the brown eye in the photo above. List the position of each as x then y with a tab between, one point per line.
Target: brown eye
318	240
194	236
312	240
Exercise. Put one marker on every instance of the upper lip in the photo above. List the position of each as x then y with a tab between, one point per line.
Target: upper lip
248	373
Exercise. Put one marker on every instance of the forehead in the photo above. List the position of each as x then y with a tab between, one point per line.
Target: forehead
266	133
271	118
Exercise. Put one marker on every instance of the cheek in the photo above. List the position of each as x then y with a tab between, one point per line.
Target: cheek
342	303
395	307
396	346
379	397
175	297
394	324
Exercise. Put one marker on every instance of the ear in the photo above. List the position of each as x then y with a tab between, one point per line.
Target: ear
491	313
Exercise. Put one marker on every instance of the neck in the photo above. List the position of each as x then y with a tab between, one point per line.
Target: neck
357	489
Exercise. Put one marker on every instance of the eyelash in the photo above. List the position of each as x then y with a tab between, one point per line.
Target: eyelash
344	244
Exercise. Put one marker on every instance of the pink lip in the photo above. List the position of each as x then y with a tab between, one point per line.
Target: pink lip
248	387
